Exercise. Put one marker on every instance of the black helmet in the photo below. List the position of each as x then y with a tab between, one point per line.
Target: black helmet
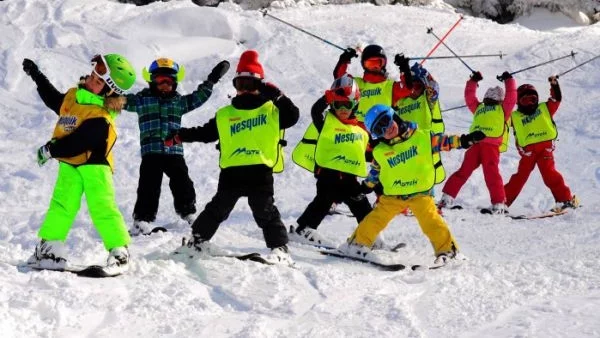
377	55
372	51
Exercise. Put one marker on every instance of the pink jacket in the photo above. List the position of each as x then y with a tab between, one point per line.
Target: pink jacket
510	99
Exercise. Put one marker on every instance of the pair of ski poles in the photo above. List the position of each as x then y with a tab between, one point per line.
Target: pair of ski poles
422	58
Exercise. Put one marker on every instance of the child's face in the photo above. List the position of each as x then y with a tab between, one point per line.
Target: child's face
343	113
93	83
164	83
391	132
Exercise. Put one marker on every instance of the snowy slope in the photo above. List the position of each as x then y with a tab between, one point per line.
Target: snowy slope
524	278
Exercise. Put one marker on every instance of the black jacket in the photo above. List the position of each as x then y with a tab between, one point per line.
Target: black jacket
288	116
91	135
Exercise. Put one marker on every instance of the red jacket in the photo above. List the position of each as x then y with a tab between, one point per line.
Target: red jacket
510	99
553	103
399	90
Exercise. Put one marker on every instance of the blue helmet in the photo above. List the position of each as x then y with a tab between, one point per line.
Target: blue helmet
378	119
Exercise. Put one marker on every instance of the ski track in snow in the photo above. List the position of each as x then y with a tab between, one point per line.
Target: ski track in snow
524	278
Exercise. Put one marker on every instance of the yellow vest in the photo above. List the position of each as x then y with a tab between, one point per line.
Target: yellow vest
304	153
407	167
72	115
489	119
418	111
535	128
248	137
342	147
372	94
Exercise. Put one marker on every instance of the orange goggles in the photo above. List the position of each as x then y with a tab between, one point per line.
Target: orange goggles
375	64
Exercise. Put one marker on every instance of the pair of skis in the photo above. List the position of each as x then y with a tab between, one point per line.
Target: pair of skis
488	211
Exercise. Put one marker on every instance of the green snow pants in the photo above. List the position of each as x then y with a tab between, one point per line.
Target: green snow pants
97	184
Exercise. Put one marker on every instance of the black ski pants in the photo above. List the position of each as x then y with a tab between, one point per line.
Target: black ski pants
259	190
330	189
148	192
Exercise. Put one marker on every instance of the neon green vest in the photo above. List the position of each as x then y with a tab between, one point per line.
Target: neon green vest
248	137
418	111
406	167
535	128
489	119
372	94
342	147
304	153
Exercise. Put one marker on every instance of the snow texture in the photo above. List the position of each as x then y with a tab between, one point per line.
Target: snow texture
524	278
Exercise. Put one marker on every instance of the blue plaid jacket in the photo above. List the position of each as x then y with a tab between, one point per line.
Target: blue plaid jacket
157	117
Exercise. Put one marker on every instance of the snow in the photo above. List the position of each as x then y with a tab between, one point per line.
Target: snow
524	278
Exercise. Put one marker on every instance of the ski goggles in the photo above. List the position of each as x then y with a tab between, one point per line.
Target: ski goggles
100	68
374	64
347	105
381	126
163	79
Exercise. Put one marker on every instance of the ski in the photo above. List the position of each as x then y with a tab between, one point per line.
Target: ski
91	271
380	266
544	215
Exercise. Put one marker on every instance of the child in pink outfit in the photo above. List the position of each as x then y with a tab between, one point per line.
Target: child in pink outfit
490	117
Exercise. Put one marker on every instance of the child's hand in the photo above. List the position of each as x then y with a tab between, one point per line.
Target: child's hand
218	71
172	139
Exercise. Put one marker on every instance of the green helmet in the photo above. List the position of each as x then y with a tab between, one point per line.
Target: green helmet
122	73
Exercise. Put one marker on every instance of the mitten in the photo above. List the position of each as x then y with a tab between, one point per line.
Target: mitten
269	91
505	76
476	76
30	68
402	62
365	189
348	54
218	71
467	140
172	138
419	72
43	154
553	79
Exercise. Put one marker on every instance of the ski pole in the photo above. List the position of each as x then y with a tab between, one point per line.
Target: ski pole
264	12
443	38
572	54
430	31
454	108
500	55
579	65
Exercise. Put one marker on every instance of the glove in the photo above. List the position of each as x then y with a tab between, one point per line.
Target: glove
269	90
467	140
476	76
30	68
43	154
365	189
218	71
172	138
419	72
115	103
348	54
402	62
553	79
505	76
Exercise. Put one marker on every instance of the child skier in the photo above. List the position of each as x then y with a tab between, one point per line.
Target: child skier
82	142
160	108
490	116
535	132
404	169
422	106
249	135
340	158
374	85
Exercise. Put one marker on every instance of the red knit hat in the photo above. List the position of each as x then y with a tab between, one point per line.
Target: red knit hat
249	65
